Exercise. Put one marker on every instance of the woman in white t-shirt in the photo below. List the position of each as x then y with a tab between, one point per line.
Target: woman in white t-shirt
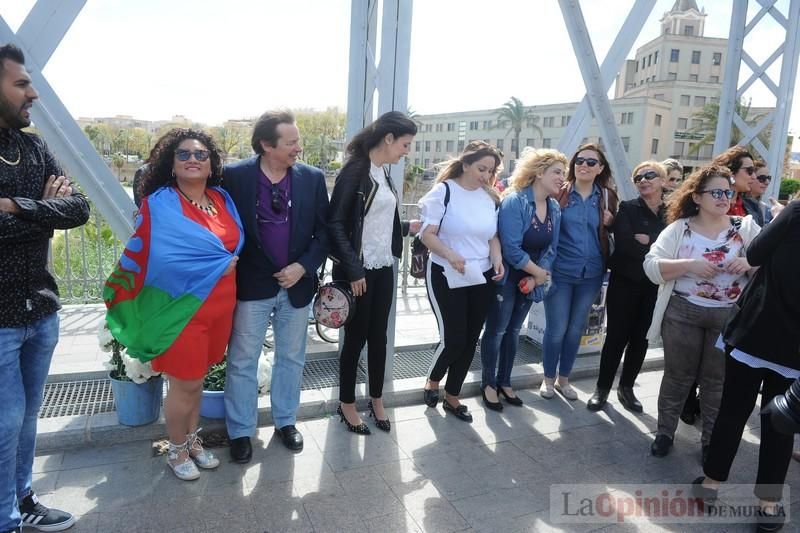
699	262
459	226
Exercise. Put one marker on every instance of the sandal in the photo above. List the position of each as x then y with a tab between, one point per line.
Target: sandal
185	469
201	457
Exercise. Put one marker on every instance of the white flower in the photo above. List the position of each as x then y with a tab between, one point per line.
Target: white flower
264	374
104	337
136	370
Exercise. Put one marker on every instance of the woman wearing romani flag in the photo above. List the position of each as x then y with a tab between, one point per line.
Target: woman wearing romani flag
171	297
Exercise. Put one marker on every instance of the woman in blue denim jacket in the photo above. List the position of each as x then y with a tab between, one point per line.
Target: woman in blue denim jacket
528	226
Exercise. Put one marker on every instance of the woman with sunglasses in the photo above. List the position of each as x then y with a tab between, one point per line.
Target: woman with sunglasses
587	213
459	227
631	296
739	161
366	236
171	298
753	203
699	262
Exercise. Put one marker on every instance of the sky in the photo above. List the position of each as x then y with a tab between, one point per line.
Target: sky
212	60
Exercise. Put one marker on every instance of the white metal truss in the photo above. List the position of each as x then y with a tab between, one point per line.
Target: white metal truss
597	85
389	78
783	91
38	37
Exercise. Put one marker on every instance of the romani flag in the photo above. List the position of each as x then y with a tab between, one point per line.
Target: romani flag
166	272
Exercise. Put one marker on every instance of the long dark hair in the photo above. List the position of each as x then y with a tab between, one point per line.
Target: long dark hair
680	203
732	158
160	163
474	151
394	122
601	179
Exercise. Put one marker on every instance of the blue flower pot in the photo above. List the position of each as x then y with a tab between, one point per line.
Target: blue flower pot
212	404
137	404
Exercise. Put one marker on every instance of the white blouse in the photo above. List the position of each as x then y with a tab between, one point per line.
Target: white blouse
376	239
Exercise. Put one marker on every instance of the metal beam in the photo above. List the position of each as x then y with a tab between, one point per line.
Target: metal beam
727	101
598	97
361	72
628	33
59	129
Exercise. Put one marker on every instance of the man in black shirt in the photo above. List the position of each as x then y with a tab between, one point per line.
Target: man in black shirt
35	199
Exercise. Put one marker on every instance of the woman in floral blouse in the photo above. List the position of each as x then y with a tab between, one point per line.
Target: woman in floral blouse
699	262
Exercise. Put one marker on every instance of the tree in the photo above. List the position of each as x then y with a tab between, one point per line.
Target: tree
709	117
227	138
330	122
320	150
515	112
411	180
118	161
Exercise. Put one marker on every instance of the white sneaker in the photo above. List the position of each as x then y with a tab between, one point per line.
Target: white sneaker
186	469
546	390
201	457
566	391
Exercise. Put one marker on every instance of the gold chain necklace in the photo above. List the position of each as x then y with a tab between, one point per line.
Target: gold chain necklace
209	209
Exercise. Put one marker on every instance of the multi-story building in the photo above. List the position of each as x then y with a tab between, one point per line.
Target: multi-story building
657	98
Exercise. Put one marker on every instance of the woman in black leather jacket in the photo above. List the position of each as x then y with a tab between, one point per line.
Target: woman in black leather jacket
366	236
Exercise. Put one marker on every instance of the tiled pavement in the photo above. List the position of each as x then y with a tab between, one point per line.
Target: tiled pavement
431	473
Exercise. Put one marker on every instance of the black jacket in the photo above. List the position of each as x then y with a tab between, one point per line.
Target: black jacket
767	321
350	202
634	217
308	241
28	291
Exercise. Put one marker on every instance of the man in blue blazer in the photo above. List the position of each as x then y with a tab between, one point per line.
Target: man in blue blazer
283	205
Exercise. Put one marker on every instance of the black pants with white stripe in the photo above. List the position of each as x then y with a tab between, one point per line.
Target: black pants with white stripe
460	314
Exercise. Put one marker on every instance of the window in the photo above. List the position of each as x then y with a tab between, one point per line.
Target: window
473	125
487	124
530	142
692	77
654	146
427	147
658	96
513	145
643	62
674	55
682	123
685	98
416	161
649	59
531	122
626	142
695	57
546	142
658	120
499	144
688	29
672	75
636	67
451	126
439	127
678	151
438	146
697	123
627	118
699	101
714	100
428	127
502	124
548	122
716	58
427	163
460	146
713	79
565	120
450	145
655	57
418	146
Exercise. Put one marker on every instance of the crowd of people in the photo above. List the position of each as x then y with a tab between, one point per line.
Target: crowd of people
221	252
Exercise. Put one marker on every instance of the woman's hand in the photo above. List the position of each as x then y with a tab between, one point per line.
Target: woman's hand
414	226
232	266
608	218
359	286
737	266
703	269
642	238
527	284
456	261
540	278
499	269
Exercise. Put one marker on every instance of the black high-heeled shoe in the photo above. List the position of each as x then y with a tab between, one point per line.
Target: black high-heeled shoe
513	400
494	406
383	425
361	429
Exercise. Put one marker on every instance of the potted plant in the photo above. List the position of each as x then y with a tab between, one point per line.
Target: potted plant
212	404
137	389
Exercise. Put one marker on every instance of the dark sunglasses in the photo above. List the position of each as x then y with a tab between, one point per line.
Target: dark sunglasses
749	170
199	155
277	198
649	175
590	161
717	194
764	179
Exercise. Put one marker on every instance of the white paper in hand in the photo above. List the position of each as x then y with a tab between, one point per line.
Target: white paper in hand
472	275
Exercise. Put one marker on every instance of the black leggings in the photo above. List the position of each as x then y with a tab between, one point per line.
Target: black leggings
460	314
368	326
738	399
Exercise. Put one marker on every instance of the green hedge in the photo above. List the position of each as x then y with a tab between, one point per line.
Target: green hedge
789	187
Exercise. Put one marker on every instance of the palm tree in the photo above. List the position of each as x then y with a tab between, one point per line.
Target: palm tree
709	117
320	150
515	112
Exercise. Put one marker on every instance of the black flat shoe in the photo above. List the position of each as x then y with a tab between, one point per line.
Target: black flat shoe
383	425
290	437
431	397
598	400
460	411
241	450
513	400
494	406
704	493
767	523
361	429
661	446
628	399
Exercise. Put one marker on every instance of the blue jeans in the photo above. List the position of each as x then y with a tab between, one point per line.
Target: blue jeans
501	334
25	354
566	311
250	320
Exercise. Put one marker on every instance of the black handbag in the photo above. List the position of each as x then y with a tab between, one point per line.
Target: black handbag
334	305
420	252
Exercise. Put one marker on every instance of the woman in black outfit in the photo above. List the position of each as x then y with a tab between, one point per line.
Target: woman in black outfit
631	297
761	345
366	236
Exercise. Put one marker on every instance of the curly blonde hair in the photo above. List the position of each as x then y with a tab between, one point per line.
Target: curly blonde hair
531	164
